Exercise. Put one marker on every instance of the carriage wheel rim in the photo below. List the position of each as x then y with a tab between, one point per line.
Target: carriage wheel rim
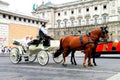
43	58
58	59
14	57
32	58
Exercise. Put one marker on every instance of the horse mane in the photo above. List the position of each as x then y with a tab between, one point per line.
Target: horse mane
96	31
94	34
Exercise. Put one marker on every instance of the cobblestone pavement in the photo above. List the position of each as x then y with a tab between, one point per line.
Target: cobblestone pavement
107	69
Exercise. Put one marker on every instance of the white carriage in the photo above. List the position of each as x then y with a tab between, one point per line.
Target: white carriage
40	52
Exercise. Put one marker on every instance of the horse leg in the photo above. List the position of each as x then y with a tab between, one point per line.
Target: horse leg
87	55
94	59
89	61
89	58
73	61
64	59
84	63
93	53
72	58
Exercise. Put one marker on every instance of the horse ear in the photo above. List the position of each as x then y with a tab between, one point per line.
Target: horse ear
101	28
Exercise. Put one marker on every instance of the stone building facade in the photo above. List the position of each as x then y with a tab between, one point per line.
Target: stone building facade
65	18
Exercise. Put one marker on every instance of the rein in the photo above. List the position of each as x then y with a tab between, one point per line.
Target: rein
91	38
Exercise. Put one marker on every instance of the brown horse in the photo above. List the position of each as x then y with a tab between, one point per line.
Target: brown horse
85	42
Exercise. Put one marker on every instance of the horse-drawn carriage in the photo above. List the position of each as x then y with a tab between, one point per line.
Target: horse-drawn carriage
68	44
40	52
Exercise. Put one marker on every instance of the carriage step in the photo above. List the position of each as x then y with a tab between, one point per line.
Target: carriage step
26	58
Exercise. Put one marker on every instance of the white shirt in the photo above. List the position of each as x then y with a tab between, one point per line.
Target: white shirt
43	30
24	42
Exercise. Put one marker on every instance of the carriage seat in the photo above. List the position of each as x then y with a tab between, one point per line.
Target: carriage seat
46	42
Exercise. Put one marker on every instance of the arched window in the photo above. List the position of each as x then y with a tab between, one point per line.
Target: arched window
65	22
58	33
65	33
96	18
72	18
72	22
79	21
104	17
73	33
58	23
87	21
87	17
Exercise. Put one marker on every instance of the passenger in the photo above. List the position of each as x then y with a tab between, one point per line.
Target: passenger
24	43
31	38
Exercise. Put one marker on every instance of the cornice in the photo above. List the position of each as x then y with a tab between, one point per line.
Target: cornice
21	15
3	2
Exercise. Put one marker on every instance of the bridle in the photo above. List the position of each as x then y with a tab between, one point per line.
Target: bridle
104	32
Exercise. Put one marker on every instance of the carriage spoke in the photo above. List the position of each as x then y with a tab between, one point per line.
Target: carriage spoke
58	59
14	55
43	58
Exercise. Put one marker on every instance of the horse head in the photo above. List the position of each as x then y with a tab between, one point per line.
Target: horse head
104	33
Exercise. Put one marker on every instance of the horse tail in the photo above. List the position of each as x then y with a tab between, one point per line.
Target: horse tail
60	50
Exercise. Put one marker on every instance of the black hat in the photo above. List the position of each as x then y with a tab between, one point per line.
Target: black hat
43	24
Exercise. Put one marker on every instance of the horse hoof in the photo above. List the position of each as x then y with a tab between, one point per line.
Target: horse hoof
65	65
95	64
84	65
72	63
91	65
75	64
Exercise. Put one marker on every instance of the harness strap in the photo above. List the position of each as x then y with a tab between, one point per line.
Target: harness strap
89	42
81	38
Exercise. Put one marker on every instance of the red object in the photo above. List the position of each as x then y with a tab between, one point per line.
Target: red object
118	47
109	48
99	47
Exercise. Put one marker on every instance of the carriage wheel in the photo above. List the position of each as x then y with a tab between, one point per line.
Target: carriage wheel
58	59
43	58
32	58
15	56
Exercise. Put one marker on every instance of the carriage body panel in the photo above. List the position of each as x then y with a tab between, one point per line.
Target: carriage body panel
35	50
